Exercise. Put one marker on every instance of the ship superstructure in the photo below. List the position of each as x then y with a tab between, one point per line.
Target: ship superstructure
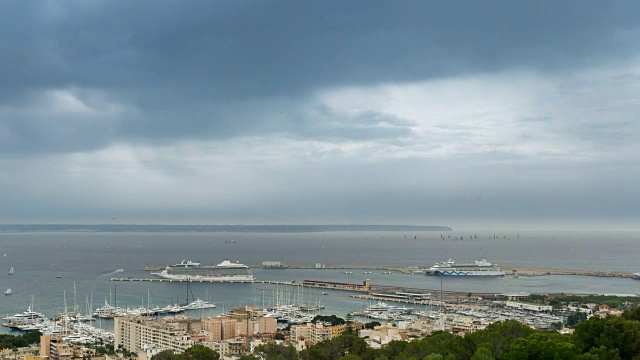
225	271
477	268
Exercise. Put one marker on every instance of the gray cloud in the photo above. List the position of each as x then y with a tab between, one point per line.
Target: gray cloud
181	63
334	111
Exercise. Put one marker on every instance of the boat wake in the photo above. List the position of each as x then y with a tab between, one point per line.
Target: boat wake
112	273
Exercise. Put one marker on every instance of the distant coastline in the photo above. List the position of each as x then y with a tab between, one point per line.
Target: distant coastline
213	228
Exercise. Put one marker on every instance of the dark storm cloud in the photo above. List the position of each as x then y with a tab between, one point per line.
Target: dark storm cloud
202	69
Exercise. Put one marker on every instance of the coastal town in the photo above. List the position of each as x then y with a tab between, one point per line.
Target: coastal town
394	314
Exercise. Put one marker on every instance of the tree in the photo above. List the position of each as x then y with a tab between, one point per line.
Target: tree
200	352
349	328
483	353
434	357
632	314
576	318
273	351
279	336
331	320
164	355
371	325
351	357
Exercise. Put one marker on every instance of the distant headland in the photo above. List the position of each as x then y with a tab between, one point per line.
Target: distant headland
214	228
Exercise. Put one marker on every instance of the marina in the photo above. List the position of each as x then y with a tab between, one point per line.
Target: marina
48	263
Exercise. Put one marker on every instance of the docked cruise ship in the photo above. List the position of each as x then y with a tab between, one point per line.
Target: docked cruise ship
478	268
225	271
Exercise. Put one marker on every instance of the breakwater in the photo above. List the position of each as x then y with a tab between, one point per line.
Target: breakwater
510	271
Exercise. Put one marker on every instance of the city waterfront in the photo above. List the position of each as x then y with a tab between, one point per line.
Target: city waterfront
47	265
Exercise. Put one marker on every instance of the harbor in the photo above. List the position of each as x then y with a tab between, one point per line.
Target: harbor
336	263
509	270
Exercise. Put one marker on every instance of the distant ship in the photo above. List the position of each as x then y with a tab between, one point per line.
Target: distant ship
478	268
636	275
225	271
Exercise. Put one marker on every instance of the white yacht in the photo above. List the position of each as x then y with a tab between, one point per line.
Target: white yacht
386	308
108	311
199	304
478	268
8	292
26	318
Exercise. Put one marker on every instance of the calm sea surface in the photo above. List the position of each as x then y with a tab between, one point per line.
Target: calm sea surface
90	259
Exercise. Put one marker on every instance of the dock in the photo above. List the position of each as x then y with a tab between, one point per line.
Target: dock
509	271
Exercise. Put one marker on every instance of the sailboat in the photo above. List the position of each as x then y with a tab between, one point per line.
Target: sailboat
11	271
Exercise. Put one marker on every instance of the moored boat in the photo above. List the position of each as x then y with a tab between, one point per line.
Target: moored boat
199	304
478	268
225	271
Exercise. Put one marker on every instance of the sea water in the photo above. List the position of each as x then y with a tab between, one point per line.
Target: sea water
48	264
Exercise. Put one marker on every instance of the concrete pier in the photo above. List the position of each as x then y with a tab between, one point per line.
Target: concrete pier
520	271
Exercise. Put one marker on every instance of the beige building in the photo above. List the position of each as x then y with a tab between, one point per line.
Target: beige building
25	353
54	348
219	328
229	327
221	347
308	334
313	333
171	333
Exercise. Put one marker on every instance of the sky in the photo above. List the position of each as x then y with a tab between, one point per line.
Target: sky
468	114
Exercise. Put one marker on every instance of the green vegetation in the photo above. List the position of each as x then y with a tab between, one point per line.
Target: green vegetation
575	319
332	320
609	338
196	352
276	351
372	324
16	341
618	302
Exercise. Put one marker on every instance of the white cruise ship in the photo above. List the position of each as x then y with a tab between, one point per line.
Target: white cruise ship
225	271
478	268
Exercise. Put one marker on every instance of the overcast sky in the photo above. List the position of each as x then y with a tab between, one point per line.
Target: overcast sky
464	113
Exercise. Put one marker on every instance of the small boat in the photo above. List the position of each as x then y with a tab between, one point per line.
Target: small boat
8	292
58	277
11	271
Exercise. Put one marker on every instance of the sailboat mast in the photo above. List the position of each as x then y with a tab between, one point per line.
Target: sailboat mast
75	302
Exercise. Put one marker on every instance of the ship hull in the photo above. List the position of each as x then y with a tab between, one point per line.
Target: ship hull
205	277
454	272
